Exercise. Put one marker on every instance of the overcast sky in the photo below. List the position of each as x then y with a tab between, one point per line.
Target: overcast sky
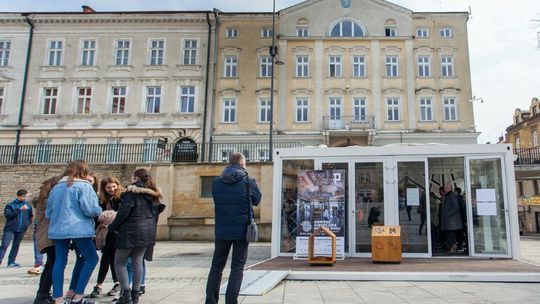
503	42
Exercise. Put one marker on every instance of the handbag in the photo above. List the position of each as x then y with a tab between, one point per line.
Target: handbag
252	231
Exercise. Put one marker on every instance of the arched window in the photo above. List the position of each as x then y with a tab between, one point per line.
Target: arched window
347	28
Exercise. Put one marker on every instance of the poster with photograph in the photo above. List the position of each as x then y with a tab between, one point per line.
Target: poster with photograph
321	202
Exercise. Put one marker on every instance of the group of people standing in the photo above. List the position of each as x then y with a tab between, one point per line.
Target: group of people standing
72	214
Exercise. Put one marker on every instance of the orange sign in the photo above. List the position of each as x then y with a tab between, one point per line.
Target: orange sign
535	200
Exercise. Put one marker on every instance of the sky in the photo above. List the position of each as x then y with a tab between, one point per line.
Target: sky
504	46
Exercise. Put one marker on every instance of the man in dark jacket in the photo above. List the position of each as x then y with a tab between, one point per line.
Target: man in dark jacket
232	213
451	222
19	214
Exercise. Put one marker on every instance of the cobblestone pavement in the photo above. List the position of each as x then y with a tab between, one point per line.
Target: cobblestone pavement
178	275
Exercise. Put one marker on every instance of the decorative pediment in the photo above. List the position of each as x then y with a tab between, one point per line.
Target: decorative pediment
231	50
424	91
446	50
360	91
450	91
302	92
302	49
391	49
229	92
358	49
424	50
335	50
392	91
338	91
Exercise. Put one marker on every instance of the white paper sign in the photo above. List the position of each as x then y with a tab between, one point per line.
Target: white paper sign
486	208
485	195
413	197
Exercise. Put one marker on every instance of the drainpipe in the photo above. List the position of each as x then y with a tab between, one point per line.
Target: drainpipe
206	86
23	93
216	18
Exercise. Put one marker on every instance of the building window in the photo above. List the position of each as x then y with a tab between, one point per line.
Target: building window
231	66
445	32
450	108
190	52
390	31
534	136
113	150
84	100
335	108
157	49
422	32
149	150
5	49
359	66
264	155
206	186
424	66
392	108
43	152
229	110
264	110
78	148
447	66
50	98
265	66
88	52
54	53
302	110
118	100
121	53
517	143
153	100
187	99
346	28
266	33
391	66
302	66
520	188
426	109
536	188
334	66
360	109
302	31
1	99
231	33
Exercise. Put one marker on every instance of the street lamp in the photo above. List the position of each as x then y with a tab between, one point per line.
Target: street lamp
273	53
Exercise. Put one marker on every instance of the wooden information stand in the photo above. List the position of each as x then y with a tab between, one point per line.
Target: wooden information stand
386	244
321	260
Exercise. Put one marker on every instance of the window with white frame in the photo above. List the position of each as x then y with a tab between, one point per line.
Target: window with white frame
265	66
264	110
359	66
535	137
390	31
426	109
335	108
302	66
334	66
302	110
113	150
157	50
5	50
231	66
187	99
54	52
266	33
445	32
424	66
422	32
121	52
517	143
190	51
447	66
78	148
392	108
88	52
229	110
84	100
450	108
302	31
1	99
392	66
231	32
50	98
347	28
153	100
149	150
359	109
43	151
119	95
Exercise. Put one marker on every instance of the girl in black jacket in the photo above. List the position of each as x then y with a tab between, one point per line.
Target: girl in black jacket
135	223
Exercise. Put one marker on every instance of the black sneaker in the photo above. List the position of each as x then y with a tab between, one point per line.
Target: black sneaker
96	292
115	290
141	290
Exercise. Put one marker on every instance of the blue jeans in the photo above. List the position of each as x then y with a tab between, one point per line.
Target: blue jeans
130	271
76	273
88	252
38	256
221	253
9	236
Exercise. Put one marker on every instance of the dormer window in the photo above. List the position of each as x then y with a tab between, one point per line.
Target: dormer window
346	28
390	28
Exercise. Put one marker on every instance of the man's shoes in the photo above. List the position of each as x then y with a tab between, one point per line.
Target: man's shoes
35	271
14	265
83	300
96	292
142	290
115	290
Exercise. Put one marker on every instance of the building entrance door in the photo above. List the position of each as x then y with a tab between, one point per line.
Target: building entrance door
537	222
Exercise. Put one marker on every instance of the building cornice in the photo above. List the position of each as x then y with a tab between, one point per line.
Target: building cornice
117	18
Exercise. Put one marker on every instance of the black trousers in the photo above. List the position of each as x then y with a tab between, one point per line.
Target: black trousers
239	257
45	281
106	262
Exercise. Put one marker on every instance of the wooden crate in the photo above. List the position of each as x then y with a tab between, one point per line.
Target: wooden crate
386	244
321	260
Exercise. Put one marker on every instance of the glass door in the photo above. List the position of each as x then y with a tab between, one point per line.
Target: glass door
489	228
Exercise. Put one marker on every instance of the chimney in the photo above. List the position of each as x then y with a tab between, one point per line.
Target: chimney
87	9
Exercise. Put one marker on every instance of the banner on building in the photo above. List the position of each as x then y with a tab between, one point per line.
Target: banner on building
321	202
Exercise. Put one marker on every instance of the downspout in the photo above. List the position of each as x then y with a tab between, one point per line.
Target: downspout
210	148
206	87
23	92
